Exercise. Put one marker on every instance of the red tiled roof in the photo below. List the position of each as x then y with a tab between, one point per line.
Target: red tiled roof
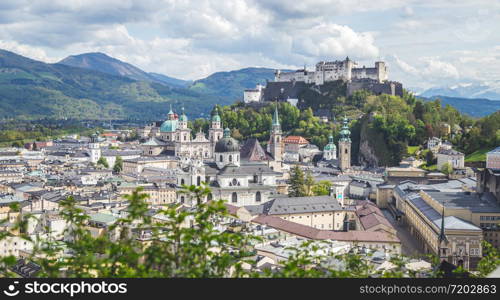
370	215
231	209
294	139
317	234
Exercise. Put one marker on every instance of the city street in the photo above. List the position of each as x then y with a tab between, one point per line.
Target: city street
409	245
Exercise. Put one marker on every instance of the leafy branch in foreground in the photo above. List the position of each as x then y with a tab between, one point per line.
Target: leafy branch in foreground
178	241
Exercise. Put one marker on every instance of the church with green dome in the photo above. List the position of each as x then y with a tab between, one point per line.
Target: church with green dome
173	137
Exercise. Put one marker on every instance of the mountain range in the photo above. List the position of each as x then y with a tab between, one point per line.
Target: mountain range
473	90
106	64
97	86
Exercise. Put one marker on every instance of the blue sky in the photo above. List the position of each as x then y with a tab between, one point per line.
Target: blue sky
425	43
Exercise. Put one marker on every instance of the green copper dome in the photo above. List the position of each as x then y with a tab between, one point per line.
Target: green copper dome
345	132
168	126
216	117
330	145
183	116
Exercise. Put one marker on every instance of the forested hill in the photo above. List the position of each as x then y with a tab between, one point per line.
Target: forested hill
97	86
383	127
31	89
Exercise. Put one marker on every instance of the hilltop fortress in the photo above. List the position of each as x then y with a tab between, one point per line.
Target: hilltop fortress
288	85
326	71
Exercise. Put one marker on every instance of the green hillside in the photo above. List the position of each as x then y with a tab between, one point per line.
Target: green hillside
31	89
229	86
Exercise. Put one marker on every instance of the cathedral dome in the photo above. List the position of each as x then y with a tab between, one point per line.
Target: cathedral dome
216	117
330	145
227	143
168	126
183	117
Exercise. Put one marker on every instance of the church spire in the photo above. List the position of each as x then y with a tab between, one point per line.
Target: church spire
276	120
442	235
276	127
345	132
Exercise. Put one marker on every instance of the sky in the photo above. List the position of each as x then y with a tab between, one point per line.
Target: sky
425	43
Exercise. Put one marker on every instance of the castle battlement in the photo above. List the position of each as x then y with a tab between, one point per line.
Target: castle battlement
327	71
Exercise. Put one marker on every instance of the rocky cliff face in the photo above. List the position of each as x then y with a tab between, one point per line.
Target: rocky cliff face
366	154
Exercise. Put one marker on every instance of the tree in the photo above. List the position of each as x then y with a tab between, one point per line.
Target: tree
490	260
322	188
185	244
103	162
297	183
446	168
309	184
429	157
17	144
118	167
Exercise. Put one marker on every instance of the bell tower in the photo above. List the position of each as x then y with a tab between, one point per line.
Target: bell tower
345	147
275	142
215	132
95	150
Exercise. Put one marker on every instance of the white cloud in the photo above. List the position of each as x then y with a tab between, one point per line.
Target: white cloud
193	38
26	50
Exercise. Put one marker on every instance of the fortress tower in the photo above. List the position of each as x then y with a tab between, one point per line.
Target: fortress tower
345	147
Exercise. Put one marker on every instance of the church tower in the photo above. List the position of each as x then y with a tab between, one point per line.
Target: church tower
95	150
345	147
215	132
183	136
330	150
275	142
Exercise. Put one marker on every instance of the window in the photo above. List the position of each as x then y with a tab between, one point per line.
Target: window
234	197
182	181
230	158
258	197
345	151
182	199
255	178
235	181
198	181
220	159
210	196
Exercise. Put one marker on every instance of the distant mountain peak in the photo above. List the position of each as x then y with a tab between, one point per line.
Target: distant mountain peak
104	63
483	90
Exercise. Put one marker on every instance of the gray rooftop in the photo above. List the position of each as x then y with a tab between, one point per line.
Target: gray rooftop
484	203
295	205
450	222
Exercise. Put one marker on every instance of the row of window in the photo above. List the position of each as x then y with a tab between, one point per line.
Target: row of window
234	197
489	218
230	158
488	225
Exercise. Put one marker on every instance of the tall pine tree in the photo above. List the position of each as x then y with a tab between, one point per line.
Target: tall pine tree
297	183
